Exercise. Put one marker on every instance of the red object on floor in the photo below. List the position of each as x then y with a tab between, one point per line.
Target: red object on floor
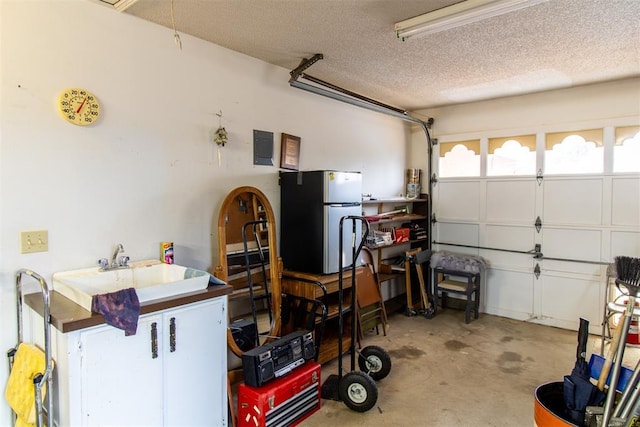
633	336
285	401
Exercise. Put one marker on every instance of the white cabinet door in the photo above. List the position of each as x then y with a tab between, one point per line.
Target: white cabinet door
121	378
172	372
195	364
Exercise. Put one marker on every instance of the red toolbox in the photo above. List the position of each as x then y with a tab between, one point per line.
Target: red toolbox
285	401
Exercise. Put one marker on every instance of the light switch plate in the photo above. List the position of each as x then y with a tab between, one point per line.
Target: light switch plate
34	241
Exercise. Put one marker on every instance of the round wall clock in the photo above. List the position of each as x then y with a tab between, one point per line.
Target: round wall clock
79	106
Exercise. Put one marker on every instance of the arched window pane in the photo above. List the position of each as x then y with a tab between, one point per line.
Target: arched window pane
513	157
456	159
574	154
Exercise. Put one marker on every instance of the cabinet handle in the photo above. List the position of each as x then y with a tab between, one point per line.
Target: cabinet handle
172	334
154	340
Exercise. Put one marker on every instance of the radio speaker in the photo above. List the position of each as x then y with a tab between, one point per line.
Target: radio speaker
265	371
308	349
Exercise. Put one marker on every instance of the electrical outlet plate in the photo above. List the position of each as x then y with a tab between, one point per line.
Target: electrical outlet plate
34	241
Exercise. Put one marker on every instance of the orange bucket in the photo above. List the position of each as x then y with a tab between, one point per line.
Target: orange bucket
549	406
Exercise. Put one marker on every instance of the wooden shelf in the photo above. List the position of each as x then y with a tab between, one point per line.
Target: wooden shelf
385	277
258	292
325	288
333	312
392	200
397	244
397	218
419	217
311	286
329	346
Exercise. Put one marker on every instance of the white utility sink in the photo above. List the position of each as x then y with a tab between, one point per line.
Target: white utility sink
151	279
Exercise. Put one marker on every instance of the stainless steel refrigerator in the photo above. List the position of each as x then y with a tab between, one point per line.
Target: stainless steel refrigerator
311	206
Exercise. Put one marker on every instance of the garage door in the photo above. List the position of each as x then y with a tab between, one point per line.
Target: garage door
548	236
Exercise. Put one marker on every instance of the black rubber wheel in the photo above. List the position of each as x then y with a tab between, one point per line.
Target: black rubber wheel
358	391
375	361
430	311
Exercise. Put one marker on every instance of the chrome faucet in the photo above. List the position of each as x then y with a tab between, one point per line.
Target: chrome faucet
114	257
115	263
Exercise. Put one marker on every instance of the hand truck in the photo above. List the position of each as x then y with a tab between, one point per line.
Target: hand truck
357	389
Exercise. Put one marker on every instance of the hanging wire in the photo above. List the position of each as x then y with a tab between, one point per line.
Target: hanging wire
176	36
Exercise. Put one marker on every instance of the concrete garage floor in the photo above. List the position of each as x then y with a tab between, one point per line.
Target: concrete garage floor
448	373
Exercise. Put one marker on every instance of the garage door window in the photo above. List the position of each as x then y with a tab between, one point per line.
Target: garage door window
626	151
574	152
461	158
512	156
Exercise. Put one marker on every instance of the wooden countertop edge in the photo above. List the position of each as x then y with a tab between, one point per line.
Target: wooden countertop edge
67	316
322	278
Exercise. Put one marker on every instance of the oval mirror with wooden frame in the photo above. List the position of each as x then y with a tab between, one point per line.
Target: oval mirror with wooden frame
249	262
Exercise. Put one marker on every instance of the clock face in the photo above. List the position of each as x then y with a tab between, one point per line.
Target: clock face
79	106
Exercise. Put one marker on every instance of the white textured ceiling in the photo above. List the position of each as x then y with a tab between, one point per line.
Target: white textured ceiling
555	44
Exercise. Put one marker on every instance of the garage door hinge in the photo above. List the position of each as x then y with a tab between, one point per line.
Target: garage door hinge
434	179
433	218
536	271
538	224
434	141
539	177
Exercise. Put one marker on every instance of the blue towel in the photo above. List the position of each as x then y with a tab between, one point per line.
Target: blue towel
120	309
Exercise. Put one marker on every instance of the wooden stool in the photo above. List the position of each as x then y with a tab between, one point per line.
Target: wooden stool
463	283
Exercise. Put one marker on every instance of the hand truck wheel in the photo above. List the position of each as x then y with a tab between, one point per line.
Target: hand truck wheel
375	361
358	391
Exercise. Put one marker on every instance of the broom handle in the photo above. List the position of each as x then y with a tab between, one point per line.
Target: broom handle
615	374
606	366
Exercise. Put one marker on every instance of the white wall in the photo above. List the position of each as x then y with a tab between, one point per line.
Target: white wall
147	171
607	104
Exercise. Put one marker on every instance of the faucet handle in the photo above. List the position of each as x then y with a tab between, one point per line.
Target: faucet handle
124	261
103	263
